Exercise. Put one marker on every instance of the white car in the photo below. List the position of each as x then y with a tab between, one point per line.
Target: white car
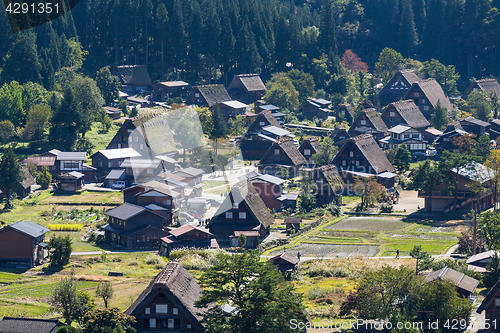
118	185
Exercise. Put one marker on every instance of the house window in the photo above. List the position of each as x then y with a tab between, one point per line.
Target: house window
307	152
261	123
342	112
99	164
357	163
391	114
152	322
235	205
130	139
229	215
141	146
363	122
110	164
243	215
70	165
170	323
161	308
136	139
407	136
422	101
351	154
416	94
188	325
415	135
497	301
119	145
167	202
276	152
426	107
343	163
196	95
175	311
147	310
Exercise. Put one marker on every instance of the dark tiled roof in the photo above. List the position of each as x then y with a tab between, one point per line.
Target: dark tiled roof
292	220
214	94
459	279
125	211
251	82
28	325
244	191
28	228
455	125
434	93
374	117
411	114
179	286
474	121
133	75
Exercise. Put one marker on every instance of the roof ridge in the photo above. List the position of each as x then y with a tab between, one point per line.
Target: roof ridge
167	272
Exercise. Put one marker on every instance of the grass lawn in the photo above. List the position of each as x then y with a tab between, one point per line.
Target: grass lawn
25	309
101	140
100	198
208	184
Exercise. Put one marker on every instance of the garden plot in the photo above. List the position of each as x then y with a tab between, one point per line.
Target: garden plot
370	223
324	250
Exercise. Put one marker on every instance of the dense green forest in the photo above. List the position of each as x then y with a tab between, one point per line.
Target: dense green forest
209	40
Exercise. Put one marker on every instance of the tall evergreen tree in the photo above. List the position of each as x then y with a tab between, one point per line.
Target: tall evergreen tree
433	27
407	33
219	130
21	63
327	40
419	15
12	175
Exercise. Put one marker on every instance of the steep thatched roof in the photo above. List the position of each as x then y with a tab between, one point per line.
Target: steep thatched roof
486	85
375	119
213	94
434	93
289	149
28	178
180	288
332	176
244	191
250	82
266	117
411	114
133	75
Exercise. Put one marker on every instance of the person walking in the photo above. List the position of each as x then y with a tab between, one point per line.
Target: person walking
397	253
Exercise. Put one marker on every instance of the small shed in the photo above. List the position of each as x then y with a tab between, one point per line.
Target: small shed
285	262
112	112
465	284
114	175
71	181
293	223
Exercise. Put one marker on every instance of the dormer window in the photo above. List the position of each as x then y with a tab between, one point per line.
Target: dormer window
362	122
391	114
351	154
276	152
243	215
235	205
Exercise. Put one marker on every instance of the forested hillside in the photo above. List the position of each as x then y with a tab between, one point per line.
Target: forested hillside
207	40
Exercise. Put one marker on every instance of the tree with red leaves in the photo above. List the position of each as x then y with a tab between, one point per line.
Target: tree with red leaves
353	63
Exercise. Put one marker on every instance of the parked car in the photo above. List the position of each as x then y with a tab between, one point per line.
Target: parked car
186	216
296	143
118	185
214	202
194	214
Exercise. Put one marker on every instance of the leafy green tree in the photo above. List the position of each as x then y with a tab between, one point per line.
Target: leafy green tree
68	329
7	130
303	83
60	248
326	153
426	178
71	303
369	190
83	144
439	117
11	103
444	75
37	121
264	300
242	240
308	190
88	103
44	178
63	131
483	148
105	291
123	105
12	175
282	93
108	84
219	130
489	225
237	125
388	63
109	321
403	158
424	260
479	106
492	274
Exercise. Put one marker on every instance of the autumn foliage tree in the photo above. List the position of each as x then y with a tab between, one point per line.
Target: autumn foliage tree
353	63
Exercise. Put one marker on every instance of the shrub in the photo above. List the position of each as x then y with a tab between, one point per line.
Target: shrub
154	259
385	208
317	292
195	261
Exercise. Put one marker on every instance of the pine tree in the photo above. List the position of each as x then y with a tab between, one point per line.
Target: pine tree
434	24
407	34
403	158
327	40
439	117
219	130
21	63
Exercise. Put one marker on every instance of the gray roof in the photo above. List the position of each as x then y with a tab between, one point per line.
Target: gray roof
399	129
75	174
173	83
411	114
476	172
119	153
116	174
267	178
269	107
474	121
459	279
487	85
140	163
28	325
71	156
481	256
321	101
213	94
265	137
125	211
244	191
235	104
193	172
180	288
276	130
28	228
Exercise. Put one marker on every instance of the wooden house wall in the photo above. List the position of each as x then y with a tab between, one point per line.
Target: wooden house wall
16	245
